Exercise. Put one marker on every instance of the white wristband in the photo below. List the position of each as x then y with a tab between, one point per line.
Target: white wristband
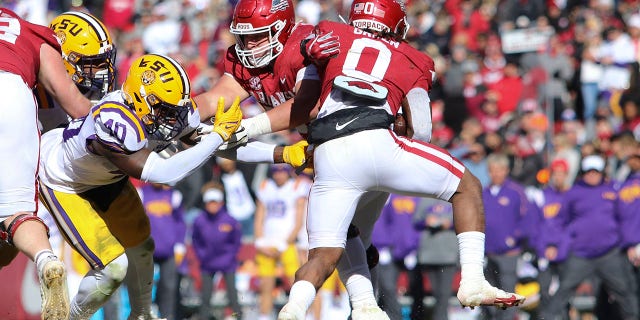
257	125
471	247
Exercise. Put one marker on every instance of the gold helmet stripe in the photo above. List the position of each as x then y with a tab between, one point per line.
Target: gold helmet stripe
97	26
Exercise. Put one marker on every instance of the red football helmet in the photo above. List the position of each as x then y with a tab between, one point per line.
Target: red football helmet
261	28
380	15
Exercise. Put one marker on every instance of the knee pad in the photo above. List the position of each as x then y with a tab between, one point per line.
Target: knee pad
6	233
113	274
373	256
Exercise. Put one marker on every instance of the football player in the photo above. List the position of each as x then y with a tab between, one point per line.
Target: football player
84	171
29	54
89	55
355	152
266	64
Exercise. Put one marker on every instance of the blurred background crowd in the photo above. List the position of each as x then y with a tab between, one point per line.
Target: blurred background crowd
532	96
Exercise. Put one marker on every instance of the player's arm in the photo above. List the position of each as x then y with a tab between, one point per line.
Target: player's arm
148	166
226	87
294	112
417	112
53	76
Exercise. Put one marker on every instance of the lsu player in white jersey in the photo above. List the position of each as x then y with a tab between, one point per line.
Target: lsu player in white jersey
89	54
84	172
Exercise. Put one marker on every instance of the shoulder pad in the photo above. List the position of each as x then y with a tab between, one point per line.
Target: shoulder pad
118	127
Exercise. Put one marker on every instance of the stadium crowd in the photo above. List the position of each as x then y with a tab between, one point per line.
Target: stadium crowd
540	100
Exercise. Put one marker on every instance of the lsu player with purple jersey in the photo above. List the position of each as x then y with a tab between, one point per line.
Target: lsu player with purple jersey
85	168
266	64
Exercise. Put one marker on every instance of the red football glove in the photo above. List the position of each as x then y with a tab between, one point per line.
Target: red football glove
321	48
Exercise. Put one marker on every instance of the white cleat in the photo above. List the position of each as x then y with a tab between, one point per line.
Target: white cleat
53	291
369	313
473	294
292	311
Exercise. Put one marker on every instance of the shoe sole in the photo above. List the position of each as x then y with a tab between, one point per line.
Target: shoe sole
502	303
55	298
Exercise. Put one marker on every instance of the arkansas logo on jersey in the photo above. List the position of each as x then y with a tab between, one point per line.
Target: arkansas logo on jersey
254	83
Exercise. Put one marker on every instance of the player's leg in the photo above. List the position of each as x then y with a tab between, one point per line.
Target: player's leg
128	221
339	183
353	263
19	226
423	169
83	227
267	275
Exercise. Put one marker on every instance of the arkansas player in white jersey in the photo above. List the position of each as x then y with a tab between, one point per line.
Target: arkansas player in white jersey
355	152
30	53
85	169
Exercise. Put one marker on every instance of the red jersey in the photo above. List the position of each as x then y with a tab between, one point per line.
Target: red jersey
20	43
372	64
274	84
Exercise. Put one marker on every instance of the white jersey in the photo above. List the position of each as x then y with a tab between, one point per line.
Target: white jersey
280	204
67	162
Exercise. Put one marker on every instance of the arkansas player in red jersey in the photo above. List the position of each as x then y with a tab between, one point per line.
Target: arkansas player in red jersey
30	53
266	63
374	76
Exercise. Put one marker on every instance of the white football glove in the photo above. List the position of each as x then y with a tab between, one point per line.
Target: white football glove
237	139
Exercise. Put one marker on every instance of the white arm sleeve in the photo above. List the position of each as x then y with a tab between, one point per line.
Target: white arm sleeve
171	170
418	99
254	151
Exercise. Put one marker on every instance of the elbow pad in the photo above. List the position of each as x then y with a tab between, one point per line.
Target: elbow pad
418	100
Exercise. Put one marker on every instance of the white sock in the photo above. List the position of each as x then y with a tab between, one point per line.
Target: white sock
43	256
302	293
360	291
471	246
354	273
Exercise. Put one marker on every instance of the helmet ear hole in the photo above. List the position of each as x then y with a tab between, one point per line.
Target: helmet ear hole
137	97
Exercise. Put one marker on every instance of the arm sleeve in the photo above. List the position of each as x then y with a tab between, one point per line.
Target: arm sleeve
418	100
254	152
170	171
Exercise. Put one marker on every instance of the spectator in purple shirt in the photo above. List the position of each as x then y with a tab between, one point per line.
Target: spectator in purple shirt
162	204
397	241
552	245
216	239
629	205
589	215
506	207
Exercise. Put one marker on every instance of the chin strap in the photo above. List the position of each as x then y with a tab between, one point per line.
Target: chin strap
6	233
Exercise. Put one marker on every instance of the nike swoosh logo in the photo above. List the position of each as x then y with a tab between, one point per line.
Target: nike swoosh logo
228	126
283	80
341	126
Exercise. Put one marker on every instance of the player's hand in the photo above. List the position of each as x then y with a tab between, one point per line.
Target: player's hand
321	48
295	154
237	139
227	122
